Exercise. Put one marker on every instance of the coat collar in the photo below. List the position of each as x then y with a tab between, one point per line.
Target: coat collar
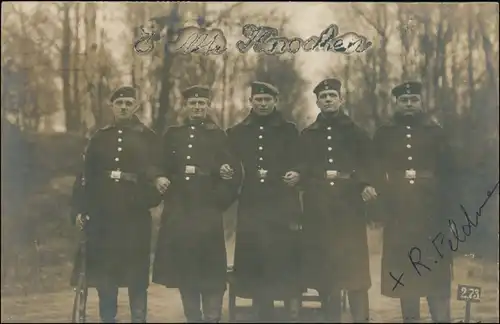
207	123
134	123
273	119
321	120
421	119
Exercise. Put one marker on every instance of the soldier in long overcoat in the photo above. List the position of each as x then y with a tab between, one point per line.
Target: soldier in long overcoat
191	251
115	195
412	162
334	154
266	247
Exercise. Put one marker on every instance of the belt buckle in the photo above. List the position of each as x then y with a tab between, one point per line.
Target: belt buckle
331	174
116	174
410	174
190	169
262	173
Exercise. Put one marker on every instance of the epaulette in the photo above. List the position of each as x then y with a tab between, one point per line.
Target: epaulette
143	127
211	126
105	128
433	121
170	127
292	124
313	125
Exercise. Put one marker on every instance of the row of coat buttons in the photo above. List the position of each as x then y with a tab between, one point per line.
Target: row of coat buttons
261	148
410	158
330	160
119	149
190	146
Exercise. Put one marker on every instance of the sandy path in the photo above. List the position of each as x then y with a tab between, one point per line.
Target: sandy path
164	304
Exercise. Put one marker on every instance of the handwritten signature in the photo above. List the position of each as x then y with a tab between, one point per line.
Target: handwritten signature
261	39
466	229
189	40
265	39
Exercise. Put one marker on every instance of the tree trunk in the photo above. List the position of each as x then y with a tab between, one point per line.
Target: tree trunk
92	66
71	117
470	62
76	67
166	84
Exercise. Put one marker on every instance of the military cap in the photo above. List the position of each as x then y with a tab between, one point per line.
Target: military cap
410	87
328	84
196	91
259	87
124	92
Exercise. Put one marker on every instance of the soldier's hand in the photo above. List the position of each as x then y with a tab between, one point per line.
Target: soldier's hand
81	219
369	193
291	178
226	172
162	184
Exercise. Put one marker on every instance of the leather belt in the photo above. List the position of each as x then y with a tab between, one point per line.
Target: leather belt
410	174
120	175
331	175
190	170
334	174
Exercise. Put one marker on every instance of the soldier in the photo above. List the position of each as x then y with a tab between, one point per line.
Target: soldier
411	161
334	159
114	205
196	167
266	250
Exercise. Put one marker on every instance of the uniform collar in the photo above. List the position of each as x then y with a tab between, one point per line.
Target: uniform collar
273	119
133	123
416	119
324	120
207	123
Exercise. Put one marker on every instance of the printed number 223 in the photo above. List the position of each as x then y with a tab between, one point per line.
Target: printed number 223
469	293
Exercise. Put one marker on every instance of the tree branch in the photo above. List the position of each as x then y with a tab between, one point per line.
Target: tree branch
379	30
224	14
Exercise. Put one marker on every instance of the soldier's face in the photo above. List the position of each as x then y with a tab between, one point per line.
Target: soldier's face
329	101
263	104
409	104
124	108
197	107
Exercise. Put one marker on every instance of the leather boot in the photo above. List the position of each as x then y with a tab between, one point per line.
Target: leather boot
191	302
410	309
138	300
212	306
359	305
439	307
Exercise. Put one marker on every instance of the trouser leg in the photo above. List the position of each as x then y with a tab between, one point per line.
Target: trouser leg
359	305
264	307
439	307
293	306
331	305
108	303
191	303
410	309
138	300
212	305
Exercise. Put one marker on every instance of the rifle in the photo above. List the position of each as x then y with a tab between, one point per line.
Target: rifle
81	290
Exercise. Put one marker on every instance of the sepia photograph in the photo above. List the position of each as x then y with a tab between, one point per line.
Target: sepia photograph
225	162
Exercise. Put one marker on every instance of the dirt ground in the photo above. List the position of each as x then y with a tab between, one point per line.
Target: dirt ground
164	304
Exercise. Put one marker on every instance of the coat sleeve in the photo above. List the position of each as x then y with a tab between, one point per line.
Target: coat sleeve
449	179
227	191
291	148
376	211
163	157
149	195
363	150
77	198
81	198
